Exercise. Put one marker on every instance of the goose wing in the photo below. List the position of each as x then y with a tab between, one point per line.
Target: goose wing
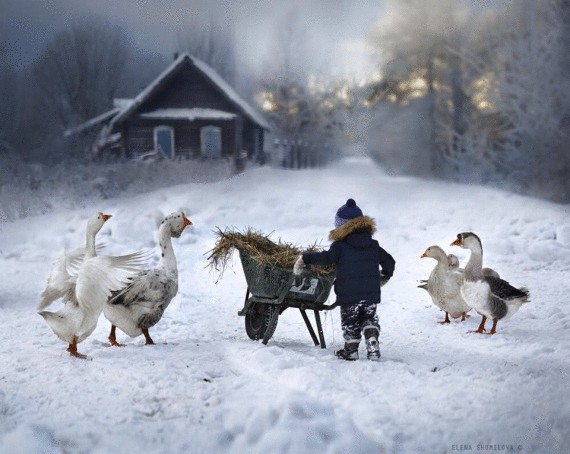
148	286
456	277
502	289
61	279
100	275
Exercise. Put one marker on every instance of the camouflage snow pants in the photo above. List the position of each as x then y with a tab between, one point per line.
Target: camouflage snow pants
355	318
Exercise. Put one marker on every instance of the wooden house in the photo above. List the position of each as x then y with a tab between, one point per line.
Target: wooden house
187	111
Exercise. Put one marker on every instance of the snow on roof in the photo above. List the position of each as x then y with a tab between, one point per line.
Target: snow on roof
92	122
122	103
229	91
188	114
208	72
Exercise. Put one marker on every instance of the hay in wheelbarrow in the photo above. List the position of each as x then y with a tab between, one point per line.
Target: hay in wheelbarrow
258	246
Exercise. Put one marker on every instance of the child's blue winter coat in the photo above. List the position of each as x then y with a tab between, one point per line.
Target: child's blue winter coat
356	256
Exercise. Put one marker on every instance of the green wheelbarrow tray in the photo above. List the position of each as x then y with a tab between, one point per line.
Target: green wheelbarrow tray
268	281
271	290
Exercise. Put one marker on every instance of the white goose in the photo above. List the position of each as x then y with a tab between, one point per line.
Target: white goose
84	280
141	304
444	285
491	297
454	265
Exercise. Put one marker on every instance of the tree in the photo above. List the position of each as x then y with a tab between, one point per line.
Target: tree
212	42
9	104
528	70
415	38
301	108
21	126
81	71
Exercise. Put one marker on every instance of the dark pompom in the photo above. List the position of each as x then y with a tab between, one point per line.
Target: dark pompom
350	203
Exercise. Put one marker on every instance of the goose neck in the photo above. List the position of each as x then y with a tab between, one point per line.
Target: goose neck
474	267
166	251
90	250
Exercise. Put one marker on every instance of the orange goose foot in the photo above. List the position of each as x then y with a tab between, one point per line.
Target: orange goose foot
481	328
149	340
72	349
113	339
494	327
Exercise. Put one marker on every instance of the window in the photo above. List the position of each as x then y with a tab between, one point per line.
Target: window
164	141
211	141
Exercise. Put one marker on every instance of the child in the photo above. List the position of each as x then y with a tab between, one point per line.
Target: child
356	256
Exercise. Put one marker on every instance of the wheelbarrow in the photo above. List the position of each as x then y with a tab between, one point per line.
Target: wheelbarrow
271	290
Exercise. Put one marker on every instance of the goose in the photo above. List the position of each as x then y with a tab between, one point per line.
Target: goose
84	280
491	297
444	285
453	262
454	265
140	305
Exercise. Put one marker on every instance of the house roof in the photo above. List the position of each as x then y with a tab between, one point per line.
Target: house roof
92	122
230	93
188	114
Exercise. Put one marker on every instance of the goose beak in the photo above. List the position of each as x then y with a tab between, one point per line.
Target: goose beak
424	255
187	222
105	217
457	242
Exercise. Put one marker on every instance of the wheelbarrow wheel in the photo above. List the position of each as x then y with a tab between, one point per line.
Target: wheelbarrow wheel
260	321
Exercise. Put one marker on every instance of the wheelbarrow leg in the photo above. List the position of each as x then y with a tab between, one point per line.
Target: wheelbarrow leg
246	306
320	329
309	326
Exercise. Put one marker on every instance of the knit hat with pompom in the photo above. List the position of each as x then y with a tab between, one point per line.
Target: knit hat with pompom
347	212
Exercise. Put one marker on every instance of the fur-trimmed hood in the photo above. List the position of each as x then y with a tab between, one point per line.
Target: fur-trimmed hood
361	223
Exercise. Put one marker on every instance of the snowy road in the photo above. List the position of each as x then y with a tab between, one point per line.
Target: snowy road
205	387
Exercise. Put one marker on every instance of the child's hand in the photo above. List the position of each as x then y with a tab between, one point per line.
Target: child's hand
384	279
299	266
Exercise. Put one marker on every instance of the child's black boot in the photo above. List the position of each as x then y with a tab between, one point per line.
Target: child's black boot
372	345
349	352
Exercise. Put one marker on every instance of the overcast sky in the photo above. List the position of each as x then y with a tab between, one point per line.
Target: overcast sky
336	27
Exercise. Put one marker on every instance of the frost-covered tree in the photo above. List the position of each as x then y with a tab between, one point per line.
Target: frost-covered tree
295	99
417	40
532	95
495	100
77	76
524	68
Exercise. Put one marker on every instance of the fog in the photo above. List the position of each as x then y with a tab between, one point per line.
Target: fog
335	28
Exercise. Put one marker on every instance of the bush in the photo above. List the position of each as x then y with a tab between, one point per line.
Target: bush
33	189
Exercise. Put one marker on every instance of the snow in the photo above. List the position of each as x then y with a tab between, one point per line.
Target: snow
188	114
205	387
230	92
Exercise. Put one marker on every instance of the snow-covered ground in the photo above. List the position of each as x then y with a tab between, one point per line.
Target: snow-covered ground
206	388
